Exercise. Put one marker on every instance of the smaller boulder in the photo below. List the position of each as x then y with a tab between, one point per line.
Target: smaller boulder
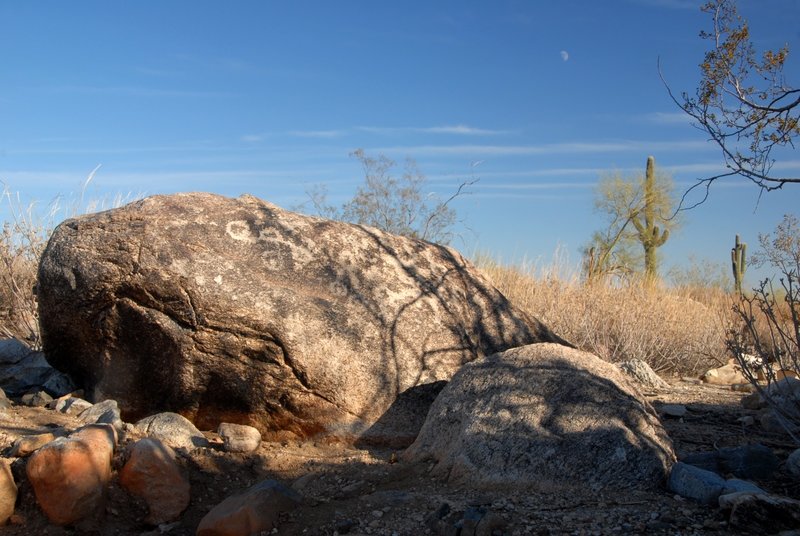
4	401
726	375
69	475
173	429
251	512
8	492
239	437
695	483
153	474
734	485
70	405
748	461
105	412
643	374
36	399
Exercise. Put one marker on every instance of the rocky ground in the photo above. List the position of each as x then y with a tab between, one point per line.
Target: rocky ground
354	491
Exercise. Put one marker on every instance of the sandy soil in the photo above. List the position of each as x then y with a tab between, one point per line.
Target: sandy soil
352	491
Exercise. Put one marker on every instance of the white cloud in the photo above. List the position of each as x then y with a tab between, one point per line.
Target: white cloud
318	133
546	149
252	138
464	130
667	118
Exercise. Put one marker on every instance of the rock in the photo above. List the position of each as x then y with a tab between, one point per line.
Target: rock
399	426
69	475
743	388
643	374
153	474
8	492
239	437
255	510
4	401
72	405
704	460
173	429
27	445
753	401
726	375
760	512
672	410
748	461
695	483
37	399
105	412
734	485
541	414
234	310
24	370
12	351
793	464
773	422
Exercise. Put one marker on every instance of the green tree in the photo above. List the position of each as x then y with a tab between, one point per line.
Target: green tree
394	203
639	216
743	101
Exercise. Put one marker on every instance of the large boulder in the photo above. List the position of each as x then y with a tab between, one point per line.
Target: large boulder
543	415
234	310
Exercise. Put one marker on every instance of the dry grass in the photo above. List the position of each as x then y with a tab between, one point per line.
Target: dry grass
24	235
679	331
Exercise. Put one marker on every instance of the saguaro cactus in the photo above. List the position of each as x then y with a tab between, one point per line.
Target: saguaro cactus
650	235
738	263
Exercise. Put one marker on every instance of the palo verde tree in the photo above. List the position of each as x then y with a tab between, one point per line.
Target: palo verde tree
639	213
743	101
394	203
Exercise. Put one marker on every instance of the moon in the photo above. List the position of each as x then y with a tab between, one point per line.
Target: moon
564	55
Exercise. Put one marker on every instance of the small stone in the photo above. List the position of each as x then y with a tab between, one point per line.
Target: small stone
173	429
673	410
4	401
8	492
27	445
105	412
36	399
255	510
760	512
152	473
239	437
695	483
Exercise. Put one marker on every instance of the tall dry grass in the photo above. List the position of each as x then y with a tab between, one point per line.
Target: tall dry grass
24	235
675	330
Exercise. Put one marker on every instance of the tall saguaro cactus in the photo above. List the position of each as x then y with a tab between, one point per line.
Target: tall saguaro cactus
650	236
738	263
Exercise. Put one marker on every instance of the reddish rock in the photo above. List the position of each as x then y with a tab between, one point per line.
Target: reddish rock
152	473
8	492
27	445
251	512
69	475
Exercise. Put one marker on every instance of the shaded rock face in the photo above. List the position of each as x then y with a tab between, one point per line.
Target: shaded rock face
234	310
543	415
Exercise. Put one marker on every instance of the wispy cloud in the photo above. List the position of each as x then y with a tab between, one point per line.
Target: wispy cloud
462	130
547	149
252	138
136	91
327	134
666	118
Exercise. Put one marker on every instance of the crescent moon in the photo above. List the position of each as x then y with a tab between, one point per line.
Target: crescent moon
564	55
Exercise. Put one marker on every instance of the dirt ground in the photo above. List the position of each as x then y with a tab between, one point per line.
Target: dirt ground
352	491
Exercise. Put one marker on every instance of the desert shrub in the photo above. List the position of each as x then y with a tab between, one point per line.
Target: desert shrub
766	342
670	329
25	232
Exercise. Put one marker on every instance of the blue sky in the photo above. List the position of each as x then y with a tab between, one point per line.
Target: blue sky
269	98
